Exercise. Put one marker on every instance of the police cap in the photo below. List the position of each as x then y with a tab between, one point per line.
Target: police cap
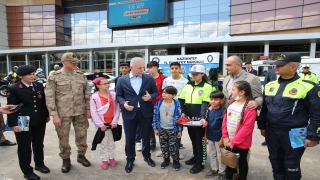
288	57
24	70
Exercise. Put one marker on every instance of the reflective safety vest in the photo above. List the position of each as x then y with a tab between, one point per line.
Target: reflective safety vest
14	75
51	72
310	77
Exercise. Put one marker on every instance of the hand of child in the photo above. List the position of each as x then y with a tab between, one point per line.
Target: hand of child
226	141
204	123
183	115
221	143
179	135
156	132
113	126
16	129
103	128
263	132
205	140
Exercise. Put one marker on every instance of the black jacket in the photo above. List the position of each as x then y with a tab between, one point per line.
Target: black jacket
34	103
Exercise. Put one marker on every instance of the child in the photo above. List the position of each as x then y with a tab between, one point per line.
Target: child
237	127
105	111
177	81
166	113
213	133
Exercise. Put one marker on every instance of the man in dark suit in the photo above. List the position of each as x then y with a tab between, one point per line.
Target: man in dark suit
249	68
135	92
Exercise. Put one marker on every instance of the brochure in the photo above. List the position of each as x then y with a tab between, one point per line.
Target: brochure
298	137
23	123
193	123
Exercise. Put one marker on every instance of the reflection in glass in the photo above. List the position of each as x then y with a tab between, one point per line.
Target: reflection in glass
160	30
103	14
104	28
47	22
35	15
79	16
119	33
132	39
49	42
134	32
239	29
36	35
92	41
50	35
103	41
36	29
26	43
175	29
284	3
263	16
117	40
103	21
241	9
176	36
310	1
176	5
192	20
176	13
161	37
209	18
92	28
224	7
263	6
48	7
209	26
146	37
92	35
191	35
192	28
241	19
234	2
48	14
24	29
262	26
223	32
289	13
208	34
93	15
209	9
288	24
26	36
189	4
310	10
35	8
80	36
311	21
209	2
176	21
146	32
192	11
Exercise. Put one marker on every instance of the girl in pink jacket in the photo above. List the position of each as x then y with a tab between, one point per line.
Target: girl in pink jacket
237	127
105	111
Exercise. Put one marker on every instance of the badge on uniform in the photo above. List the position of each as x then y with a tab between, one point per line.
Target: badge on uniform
39	94
293	91
271	89
200	92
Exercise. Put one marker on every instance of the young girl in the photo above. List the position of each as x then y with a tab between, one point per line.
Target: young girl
105	112
237	127
166	113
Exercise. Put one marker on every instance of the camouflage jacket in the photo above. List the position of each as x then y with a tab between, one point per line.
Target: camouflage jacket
67	94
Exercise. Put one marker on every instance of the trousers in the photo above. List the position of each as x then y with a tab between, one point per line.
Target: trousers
169	144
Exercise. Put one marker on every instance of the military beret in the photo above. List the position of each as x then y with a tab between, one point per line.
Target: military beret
285	58
24	70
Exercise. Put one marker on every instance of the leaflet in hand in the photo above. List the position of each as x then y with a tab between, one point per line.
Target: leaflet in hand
298	137
23	123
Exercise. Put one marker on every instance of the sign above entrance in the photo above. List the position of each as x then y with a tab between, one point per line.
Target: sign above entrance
208	60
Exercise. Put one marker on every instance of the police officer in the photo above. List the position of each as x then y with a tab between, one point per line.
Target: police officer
68	97
31	95
289	102
55	68
306	74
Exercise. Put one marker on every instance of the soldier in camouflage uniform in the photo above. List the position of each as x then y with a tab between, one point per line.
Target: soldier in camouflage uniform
67	98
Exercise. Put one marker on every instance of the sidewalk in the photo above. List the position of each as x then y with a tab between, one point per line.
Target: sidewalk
259	165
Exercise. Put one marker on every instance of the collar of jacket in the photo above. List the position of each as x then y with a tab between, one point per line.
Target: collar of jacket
295	77
201	84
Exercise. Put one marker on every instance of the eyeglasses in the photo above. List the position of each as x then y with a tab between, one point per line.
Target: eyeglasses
105	84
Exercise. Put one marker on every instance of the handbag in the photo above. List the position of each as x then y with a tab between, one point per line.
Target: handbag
117	132
229	158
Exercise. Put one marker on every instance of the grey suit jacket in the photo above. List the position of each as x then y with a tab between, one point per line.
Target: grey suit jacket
253	80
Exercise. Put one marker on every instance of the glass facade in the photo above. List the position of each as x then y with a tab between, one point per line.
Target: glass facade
251	16
85	22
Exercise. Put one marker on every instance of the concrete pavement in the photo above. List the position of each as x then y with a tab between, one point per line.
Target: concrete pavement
259	165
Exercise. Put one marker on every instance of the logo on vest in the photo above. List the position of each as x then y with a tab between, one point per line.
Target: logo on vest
271	89
293	91
200	92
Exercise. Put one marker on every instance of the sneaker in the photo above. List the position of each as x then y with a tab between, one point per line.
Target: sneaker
104	165
176	165
196	168
191	161
210	173
165	163
113	162
181	156
139	146
159	154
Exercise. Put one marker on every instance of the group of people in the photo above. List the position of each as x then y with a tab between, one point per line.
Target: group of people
152	105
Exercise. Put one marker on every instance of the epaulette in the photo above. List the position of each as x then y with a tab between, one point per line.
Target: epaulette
313	73
271	82
310	82
78	71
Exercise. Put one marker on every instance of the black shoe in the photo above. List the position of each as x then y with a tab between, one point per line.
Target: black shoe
150	162
129	167
32	176
152	148
42	169
196	168
264	143
165	163
176	165
66	165
181	145
7	143
191	161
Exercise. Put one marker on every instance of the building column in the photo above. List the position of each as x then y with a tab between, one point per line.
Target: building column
183	50
225	56
116	62
91	61
9	65
47	59
312	53
146	55
266	49
27	58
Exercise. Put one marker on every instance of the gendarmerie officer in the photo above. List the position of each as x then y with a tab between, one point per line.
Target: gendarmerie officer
31	95
289	102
